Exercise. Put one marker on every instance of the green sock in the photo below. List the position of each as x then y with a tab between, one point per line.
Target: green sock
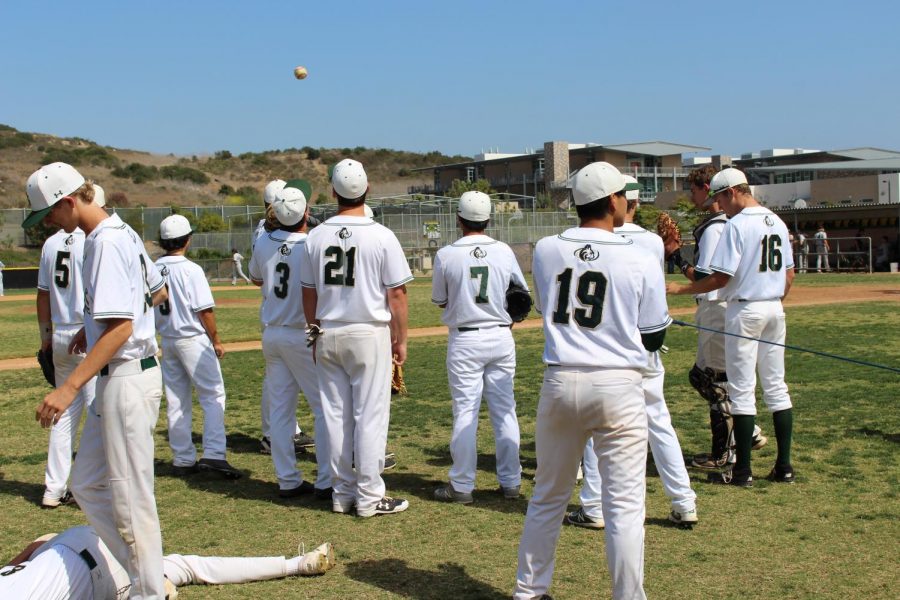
743	440
784	429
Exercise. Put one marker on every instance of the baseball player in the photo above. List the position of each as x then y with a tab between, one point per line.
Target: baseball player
2	266
191	351
301	440
354	293
277	266
76	564
663	440
112	479
754	268
822	249
708	374
469	282
603	305
60	313
236	269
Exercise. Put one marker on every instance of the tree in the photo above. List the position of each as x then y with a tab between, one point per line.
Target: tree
458	187
210	222
686	214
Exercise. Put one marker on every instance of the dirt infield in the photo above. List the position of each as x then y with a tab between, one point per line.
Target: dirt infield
799	296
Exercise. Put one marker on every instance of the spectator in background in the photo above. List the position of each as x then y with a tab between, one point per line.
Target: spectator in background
803	251
883	255
822	249
2	266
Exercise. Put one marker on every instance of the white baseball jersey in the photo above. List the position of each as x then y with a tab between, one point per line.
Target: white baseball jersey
260	230
350	262
119	279
754	250
598	293
278	261
820	238
647	240
236	258
707	236
189	294
59	274
471	277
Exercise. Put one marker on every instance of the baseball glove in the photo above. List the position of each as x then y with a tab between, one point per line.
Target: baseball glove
398	385
668	230
45	359
518	302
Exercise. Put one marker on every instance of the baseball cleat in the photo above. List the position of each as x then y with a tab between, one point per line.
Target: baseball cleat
578	518
183	470
220	466
782	475
318	561
390	461
303	489
387	506
511	493
684	519
52	502
758	441
265	445
323	493
707	462
446	493
301	440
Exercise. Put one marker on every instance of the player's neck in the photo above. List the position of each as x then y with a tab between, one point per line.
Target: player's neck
179	252
90	216
607	223
352	211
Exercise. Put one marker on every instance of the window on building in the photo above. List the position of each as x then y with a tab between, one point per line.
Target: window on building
470	174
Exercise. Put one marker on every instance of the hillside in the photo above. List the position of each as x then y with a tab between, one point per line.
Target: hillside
135	178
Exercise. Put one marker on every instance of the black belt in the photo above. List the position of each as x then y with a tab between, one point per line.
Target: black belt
146	363
86	556
477	328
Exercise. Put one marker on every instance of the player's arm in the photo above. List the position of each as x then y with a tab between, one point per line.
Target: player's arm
399	307
45	323
160	295
208	319
310	303
116	333
29	550
788	281
715	281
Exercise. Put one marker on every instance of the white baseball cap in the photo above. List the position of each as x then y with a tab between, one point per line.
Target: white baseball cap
632	188
349	179
272	188
47	186
474	206
174	226
99	195
368	210
595	181
289	205
724	179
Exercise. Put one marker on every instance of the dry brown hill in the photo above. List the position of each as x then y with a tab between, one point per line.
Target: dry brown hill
135	178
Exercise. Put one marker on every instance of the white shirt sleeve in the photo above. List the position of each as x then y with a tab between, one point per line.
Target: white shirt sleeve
254	268
516	274
111	301
45	270
200	295
308	272
727	256
155	279
653	315
708	242
439	293
394	270
537	268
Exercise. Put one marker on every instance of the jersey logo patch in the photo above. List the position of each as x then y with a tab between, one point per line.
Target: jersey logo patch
478	252
285	250
768	221
164	271
344	233
70	240
587	253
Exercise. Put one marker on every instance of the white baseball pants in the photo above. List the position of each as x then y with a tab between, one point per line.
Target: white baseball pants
354	366
762	320
822	261
238	271
483	362
185	362
290	369
216	570
711	346
663	444
608	406
112	478
264	399
63	433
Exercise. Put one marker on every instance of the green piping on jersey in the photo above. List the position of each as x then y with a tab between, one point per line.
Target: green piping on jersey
399	283
350	224
623	241
457	244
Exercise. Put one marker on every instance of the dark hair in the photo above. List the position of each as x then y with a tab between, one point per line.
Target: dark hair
347	202
598	209
175	243
233	250
473	225
632	204
743	188
701	175
292	228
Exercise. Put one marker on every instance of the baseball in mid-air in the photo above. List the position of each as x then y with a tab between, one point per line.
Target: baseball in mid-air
300	72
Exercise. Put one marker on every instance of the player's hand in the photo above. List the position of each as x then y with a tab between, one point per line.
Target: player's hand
670	246
79	343
399	353
55	403
219	348
673	288
46	345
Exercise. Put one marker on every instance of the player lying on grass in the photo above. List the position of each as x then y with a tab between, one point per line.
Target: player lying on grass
76	564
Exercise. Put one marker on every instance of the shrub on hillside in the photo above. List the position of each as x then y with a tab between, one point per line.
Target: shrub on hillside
179	173
210	222
222	155
96	156
136	172
311	153
117	199
226	190
249	193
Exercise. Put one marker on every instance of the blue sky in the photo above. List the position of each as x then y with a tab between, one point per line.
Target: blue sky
199	76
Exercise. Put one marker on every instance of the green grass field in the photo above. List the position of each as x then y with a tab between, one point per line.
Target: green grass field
832	535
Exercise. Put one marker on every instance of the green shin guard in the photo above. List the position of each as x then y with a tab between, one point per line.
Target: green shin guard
743	440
